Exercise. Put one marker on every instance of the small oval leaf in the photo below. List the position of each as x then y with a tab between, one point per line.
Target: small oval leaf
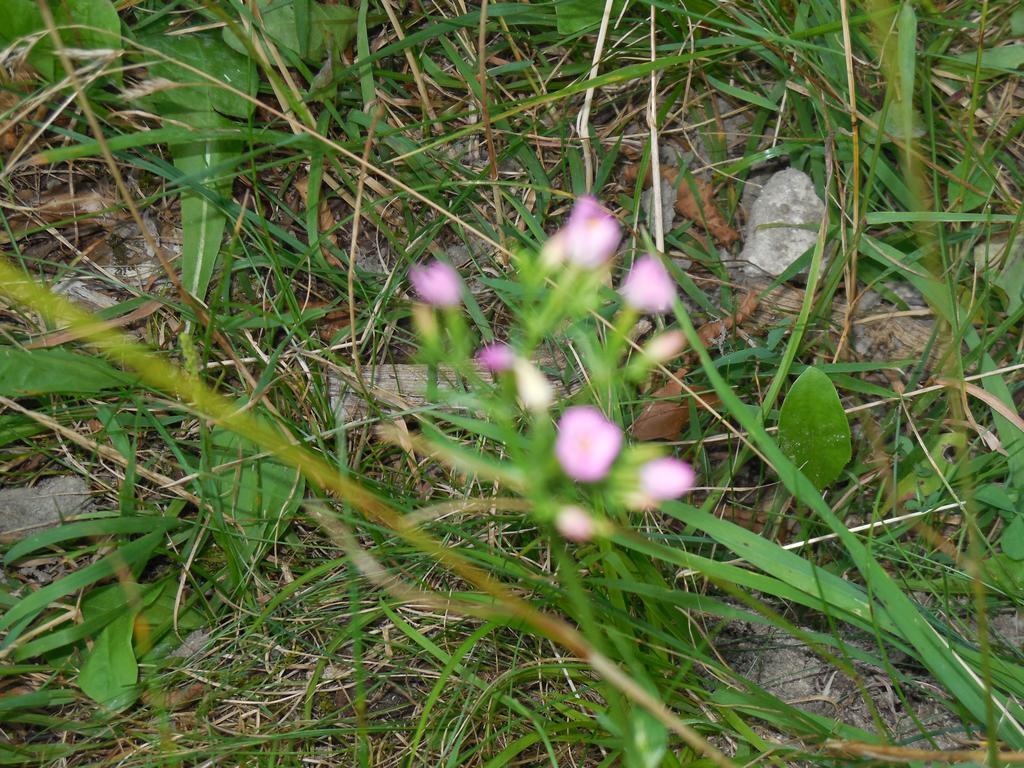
813	429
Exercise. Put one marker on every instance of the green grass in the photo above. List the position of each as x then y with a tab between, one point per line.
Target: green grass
355	598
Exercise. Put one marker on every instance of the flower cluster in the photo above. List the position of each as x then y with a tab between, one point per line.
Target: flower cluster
587	444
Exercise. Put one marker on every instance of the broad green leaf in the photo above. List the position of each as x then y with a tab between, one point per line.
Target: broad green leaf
332	28
207	53
328	28
579	15
95	26
260	493
31	604
906	61
647	740
1012	540
892	126
994	60
202	221
110	672
921	480
50	371
1017	23
975	172
1005	573
814	432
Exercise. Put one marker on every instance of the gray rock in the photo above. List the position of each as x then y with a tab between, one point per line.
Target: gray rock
783	223
23	511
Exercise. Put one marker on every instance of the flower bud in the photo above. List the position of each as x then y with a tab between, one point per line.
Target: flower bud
535	392
665	346
575	524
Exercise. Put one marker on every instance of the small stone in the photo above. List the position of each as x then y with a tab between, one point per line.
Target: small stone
784	222
24	511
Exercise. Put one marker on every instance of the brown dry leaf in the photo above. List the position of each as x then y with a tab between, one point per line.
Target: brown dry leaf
699	208
665	417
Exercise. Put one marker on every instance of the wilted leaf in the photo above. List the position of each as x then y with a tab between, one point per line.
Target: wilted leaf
813	429
22	18
663	418
695	200
51	371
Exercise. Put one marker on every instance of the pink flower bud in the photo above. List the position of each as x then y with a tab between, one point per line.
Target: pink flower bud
648	287
665	346
575	524
437	283
496	357
592	235
587	443
665	478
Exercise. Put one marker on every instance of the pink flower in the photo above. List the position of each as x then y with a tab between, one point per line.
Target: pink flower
575	524
648	287
591	236
437	283
496	357
587	443
665	478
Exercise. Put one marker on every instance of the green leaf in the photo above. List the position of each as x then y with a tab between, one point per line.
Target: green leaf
96	26
647	740
110	672
814	432
906	61
994	60
202	221
34	602
261	493
1005	573
975	172
109	526
578	15
1012	540
49	371
1017	23
327	28
207	53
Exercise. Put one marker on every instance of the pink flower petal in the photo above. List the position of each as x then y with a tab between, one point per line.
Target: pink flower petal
496	357
648	287
666	478
437	283
592	235
587	443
